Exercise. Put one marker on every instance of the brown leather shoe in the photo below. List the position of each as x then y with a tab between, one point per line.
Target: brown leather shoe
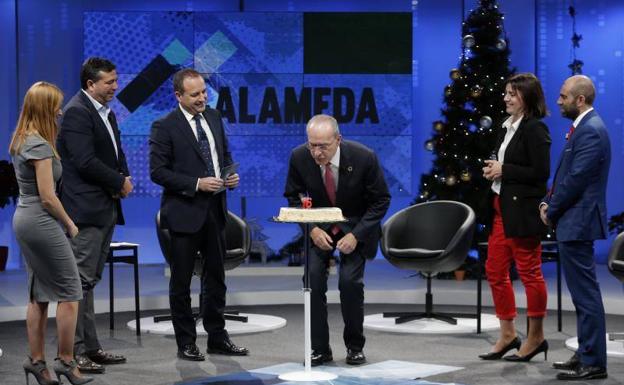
85	365
103	358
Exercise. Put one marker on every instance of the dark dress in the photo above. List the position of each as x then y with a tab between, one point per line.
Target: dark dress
52	271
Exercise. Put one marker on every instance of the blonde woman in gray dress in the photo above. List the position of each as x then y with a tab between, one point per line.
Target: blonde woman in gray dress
39	225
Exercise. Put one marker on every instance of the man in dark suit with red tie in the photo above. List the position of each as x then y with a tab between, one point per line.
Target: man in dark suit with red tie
95	177
345	174
576	207
188	149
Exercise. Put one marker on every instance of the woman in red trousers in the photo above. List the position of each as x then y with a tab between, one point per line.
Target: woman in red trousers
519	176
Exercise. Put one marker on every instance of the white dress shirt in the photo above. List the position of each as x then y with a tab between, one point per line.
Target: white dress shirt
581	116
103	110
511	130
211	140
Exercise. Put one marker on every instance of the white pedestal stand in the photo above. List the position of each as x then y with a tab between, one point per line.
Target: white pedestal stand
307	374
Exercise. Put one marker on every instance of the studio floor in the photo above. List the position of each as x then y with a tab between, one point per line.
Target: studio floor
393	358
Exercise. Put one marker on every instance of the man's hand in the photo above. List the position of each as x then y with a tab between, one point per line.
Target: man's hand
232	181
321	239
210	184
347	244
493	169
543	210
127	187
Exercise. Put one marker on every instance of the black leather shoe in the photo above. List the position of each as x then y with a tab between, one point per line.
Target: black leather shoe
572	364
85	365
355	358
542	347
190	352
583	372
514	344
103	358
227	347
319	358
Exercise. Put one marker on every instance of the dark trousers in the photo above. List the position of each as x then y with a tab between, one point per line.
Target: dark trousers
210	242
90	248
351	286
579	267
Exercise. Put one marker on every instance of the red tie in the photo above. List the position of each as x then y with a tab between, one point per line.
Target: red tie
330	188
330	184
570	132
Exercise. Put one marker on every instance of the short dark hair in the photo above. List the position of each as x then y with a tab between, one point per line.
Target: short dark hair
178	78
91	69
530	89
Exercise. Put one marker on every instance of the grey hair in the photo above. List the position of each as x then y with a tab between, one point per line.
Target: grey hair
321	119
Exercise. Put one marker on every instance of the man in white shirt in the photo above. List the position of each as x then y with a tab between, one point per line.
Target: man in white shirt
188	150
95	177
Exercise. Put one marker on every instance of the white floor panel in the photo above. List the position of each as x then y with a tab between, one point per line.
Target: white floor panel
430	326
256	323
614	348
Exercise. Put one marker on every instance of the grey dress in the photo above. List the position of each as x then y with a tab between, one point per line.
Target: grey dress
52	271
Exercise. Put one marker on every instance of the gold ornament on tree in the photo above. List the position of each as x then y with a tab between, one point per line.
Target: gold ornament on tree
475	91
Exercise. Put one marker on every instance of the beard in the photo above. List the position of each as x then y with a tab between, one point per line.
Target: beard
570	112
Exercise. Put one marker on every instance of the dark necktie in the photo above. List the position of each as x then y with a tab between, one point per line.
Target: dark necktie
330	188
204	145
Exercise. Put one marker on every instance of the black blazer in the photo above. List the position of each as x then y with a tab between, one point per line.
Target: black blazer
526	169
92	174
176	163
362	193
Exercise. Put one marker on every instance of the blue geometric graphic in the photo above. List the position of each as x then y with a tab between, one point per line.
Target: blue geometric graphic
253	66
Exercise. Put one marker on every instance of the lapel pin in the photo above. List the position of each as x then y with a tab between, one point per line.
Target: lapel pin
349	168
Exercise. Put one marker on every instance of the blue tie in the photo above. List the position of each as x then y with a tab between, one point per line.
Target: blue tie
204	145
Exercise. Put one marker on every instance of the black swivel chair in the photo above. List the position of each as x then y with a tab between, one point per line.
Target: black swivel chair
616	267
429	237
237	244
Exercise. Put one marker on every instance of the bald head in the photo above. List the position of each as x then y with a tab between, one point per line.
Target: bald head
576	96
323	138
582	85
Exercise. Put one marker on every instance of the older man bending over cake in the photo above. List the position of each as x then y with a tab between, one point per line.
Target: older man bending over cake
345	174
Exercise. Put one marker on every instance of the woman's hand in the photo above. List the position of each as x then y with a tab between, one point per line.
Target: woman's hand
72	230
493	169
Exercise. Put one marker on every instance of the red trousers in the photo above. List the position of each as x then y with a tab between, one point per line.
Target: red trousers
526	253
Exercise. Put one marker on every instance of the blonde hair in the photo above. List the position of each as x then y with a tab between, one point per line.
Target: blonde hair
38	116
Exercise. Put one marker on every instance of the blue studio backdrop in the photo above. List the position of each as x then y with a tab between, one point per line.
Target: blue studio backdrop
270	65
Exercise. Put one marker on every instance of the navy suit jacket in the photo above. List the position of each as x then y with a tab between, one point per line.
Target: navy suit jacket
176	163
92	174
362	193
577	206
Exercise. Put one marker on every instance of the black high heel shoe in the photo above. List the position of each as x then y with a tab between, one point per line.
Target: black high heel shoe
514	344
36	368
67	369
542	347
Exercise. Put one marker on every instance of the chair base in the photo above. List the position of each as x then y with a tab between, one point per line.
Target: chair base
450	318
403	317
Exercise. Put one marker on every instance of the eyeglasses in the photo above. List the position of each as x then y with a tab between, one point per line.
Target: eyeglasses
320	146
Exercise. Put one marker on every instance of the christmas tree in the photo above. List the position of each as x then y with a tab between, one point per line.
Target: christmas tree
474	107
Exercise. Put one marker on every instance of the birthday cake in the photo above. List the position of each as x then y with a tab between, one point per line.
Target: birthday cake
322	214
